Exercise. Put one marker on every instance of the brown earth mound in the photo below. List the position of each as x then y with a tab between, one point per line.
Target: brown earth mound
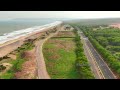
65	34
28	54
29	67
12	56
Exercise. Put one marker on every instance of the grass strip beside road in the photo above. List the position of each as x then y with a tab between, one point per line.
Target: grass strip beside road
82	64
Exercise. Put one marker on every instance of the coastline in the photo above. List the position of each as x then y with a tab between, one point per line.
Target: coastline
23	32
15	42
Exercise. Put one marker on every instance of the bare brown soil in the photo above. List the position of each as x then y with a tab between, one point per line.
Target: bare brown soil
63	44
7	65
55	57
65	34
29	67
116	25
12	56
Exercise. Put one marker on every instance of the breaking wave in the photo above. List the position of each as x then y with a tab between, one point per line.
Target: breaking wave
23	32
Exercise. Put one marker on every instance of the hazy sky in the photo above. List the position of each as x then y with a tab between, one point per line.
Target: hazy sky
59	14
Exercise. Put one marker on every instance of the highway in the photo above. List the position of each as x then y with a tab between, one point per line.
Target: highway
93	65
98	65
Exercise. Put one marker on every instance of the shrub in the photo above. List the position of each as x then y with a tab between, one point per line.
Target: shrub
82	65
107	55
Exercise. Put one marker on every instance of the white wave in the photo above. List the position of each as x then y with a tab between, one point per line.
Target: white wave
16	34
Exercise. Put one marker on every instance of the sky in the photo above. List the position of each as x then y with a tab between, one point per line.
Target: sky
59	14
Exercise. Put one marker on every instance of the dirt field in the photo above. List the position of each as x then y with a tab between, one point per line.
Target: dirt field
28	70
29	67
65	34
117	25
60	57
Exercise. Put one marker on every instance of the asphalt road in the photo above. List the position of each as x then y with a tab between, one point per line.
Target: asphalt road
104	69
94	67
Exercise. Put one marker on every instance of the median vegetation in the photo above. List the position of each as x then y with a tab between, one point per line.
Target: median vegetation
64	57
82	64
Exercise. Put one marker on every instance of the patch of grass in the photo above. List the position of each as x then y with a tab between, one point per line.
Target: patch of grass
8	75
26	46
49	46
63	38
17	64
6	60
64	34
60	62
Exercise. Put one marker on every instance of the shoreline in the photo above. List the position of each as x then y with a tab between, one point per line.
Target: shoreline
23	32
14	43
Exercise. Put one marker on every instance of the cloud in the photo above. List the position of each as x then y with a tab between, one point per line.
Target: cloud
58	14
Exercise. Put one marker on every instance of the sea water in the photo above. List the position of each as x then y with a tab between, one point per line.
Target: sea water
9	26
21	29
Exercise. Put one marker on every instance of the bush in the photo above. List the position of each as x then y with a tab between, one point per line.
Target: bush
112	61
82	65
7	75
18	65
108	57
2	68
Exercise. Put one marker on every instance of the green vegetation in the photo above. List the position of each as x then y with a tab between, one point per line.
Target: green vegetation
27	46
106	41
82	65
8	75
65	58
91	22
60	59
17	64
2	68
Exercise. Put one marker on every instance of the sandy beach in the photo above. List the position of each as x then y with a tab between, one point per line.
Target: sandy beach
14	43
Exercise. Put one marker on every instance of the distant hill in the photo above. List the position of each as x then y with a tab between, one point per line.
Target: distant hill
95	21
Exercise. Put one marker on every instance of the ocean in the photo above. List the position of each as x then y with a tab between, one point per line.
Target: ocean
10	26
23	23
10	30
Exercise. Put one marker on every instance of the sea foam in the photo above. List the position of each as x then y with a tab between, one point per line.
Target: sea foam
19	33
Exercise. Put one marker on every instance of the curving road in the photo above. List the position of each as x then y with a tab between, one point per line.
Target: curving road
41	67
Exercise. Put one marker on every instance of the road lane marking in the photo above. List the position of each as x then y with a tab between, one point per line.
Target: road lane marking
93	60
104	61
92	67
99	56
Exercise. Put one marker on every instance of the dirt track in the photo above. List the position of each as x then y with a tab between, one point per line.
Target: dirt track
41	67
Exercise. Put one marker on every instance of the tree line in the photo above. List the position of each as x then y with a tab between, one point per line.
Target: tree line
82	64
101	41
